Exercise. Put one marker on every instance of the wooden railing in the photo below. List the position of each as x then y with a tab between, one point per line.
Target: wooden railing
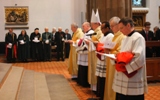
153	63
153	43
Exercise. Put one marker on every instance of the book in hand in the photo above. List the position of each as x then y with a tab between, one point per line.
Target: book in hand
9	45
21	41
36	41
112	56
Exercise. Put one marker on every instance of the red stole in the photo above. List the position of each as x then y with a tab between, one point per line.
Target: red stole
14	50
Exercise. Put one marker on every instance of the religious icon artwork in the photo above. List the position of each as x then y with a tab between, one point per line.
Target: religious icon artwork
138	20
16	15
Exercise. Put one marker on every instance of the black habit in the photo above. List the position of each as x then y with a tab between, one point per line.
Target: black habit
59	39
23	49
36	47
67	45
11	51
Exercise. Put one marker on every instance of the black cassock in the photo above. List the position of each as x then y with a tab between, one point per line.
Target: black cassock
47	46
11	52
36	47
23	48
67	45
59	39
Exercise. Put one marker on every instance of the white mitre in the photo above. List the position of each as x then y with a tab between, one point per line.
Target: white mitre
95	17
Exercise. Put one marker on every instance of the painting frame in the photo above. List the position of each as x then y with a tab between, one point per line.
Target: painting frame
16	15
139	18
23	27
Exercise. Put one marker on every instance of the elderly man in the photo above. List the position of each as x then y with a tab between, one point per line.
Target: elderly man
73	67
53	35
67	45
46	39
131	84
59	40
11	46
83	56
118	36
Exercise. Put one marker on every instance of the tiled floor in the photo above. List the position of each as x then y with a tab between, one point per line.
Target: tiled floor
153	92
60	67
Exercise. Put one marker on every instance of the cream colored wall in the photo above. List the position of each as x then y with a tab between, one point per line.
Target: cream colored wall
153	14
46	13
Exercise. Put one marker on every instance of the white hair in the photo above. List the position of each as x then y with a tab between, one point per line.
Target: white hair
115	19
54	28
75	25
87	24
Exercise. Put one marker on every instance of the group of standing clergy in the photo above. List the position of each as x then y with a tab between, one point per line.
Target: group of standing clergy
122	78
107	78
37	46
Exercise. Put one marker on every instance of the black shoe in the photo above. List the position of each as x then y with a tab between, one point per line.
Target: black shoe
74	79
9	61
86	85
95	92
34	59
25	61
13	61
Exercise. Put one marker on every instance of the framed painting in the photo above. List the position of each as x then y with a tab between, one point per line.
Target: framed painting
139	20
16	15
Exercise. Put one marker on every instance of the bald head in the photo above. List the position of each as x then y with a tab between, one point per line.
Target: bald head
86	23
86	26
59	29
46	29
